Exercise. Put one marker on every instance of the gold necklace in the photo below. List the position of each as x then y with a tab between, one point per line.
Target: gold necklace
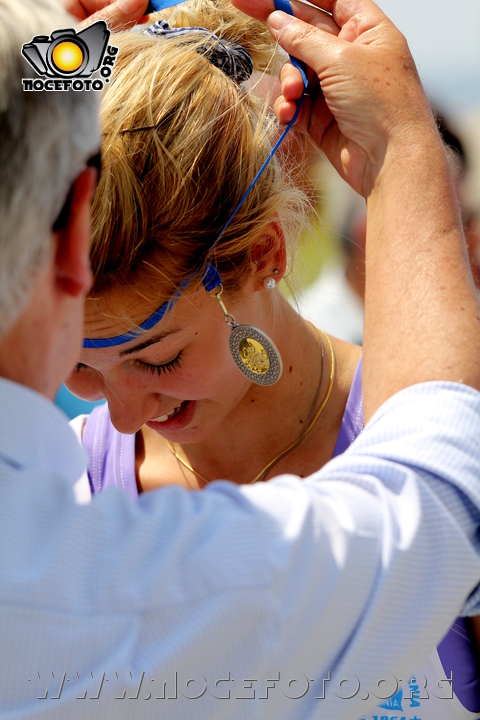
312	422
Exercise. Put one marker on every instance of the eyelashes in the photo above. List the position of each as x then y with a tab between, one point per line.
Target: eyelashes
160	369
147	367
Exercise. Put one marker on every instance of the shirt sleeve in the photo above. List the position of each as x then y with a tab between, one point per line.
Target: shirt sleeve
289	590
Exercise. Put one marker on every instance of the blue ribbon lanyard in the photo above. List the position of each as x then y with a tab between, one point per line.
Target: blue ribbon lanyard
156	5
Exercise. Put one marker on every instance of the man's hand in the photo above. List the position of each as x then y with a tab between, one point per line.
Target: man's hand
118	14
373	122
370	91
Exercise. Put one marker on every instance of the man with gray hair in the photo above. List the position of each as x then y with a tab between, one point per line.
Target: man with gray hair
46	140
199	596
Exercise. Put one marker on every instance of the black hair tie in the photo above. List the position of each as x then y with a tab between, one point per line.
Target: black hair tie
230	58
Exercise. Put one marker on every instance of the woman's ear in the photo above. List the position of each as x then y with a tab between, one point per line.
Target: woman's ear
72	237
269	257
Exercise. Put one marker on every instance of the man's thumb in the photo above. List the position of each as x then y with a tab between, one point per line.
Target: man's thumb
119	15
308	44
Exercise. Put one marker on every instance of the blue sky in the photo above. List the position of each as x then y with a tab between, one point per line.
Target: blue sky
444	38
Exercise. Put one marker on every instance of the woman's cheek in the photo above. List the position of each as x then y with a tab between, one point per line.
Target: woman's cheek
84	387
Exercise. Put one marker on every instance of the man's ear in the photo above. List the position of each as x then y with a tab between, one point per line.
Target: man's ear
71	235
269	254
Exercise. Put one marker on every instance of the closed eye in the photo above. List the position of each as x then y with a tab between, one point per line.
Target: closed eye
148	367
159	369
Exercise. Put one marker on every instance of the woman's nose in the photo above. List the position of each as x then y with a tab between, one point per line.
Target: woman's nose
130	410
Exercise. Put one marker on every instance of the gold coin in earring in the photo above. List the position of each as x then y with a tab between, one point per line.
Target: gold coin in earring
255	355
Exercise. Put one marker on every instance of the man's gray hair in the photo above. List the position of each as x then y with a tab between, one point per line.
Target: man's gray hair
45	139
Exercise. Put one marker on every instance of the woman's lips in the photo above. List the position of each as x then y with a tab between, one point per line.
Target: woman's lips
180	419
171	413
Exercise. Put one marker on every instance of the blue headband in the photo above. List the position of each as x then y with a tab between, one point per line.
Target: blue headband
210	280
211	277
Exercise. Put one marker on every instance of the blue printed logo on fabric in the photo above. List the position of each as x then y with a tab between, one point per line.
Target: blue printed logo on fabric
393	703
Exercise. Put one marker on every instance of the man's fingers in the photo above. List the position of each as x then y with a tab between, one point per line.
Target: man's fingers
120	14
82	9
292	82
311	45
284	109
315	17
314	118
258	9
261	9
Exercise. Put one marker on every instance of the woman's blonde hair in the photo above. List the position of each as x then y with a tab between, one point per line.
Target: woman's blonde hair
167	190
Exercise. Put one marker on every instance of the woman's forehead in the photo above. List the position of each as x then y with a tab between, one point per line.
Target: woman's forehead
117	312
125	309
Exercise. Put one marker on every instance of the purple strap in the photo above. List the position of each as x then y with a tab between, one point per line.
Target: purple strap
458	660
352	422
111	454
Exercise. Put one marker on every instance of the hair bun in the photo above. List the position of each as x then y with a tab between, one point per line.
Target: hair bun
230	58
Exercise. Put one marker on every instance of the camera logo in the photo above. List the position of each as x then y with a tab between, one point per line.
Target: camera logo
68	59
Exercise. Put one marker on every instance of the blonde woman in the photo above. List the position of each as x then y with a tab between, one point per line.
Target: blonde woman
177	279
182	142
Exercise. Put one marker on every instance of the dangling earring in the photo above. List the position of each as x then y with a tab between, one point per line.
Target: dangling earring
254	354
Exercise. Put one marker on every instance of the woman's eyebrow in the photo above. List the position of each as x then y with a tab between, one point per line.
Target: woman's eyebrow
147	343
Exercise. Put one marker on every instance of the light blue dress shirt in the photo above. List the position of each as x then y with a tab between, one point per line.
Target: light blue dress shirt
235	602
